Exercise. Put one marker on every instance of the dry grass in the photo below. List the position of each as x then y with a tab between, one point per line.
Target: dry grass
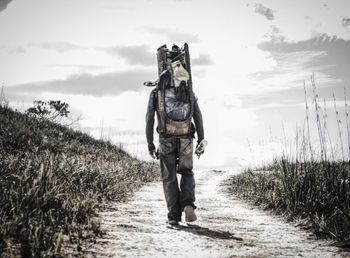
313	183
53	180
316	191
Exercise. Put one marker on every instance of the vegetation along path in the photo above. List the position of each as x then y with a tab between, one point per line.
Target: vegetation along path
226	227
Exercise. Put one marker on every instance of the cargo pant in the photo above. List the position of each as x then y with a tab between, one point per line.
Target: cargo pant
176	156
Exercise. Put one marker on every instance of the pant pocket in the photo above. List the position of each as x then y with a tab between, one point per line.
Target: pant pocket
166	146
186	146
186	156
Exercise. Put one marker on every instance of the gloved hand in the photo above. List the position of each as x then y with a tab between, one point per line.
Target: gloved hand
152	151
200	147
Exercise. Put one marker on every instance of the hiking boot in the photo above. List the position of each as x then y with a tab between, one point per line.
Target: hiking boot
173	222
190	215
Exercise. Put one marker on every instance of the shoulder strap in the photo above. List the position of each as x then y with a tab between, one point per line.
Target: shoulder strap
155	98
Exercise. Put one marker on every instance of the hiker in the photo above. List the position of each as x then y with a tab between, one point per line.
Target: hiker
176	105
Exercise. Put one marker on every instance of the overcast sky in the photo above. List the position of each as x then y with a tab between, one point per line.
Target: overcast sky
249	61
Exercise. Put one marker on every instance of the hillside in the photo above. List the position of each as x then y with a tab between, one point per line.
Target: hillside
52	181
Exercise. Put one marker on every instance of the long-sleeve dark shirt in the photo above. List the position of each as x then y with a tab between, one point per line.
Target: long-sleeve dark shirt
151	110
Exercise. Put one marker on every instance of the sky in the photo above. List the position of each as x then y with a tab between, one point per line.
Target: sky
250	60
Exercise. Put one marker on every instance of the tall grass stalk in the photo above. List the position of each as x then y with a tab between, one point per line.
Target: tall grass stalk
339	126
308	139
317	112
347	121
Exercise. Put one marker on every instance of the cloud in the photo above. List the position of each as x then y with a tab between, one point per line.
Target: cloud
174	35
17	50
318	43
274	34
82	67
140	55
334	61
60	47
13	50
106	84
346	23
282	86
292	96
264	11
275	29
202	60
116	7
133	55
3	4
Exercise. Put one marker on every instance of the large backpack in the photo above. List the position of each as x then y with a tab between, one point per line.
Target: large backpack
175	96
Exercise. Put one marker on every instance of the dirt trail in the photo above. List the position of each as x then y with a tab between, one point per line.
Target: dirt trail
227	227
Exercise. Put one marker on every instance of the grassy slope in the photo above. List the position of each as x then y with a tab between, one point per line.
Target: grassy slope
318	192
52	181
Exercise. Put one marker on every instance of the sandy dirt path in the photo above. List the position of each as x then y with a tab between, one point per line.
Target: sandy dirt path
226	227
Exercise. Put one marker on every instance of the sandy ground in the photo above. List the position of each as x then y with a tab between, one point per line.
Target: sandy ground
226	227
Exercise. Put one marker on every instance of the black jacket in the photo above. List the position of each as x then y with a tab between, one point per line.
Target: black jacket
152	109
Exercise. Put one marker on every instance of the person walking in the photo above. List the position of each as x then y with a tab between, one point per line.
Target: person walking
177	108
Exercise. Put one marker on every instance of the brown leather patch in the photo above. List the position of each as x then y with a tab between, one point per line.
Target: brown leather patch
178	127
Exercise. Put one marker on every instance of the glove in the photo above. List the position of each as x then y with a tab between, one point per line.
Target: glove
200	147
152	151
